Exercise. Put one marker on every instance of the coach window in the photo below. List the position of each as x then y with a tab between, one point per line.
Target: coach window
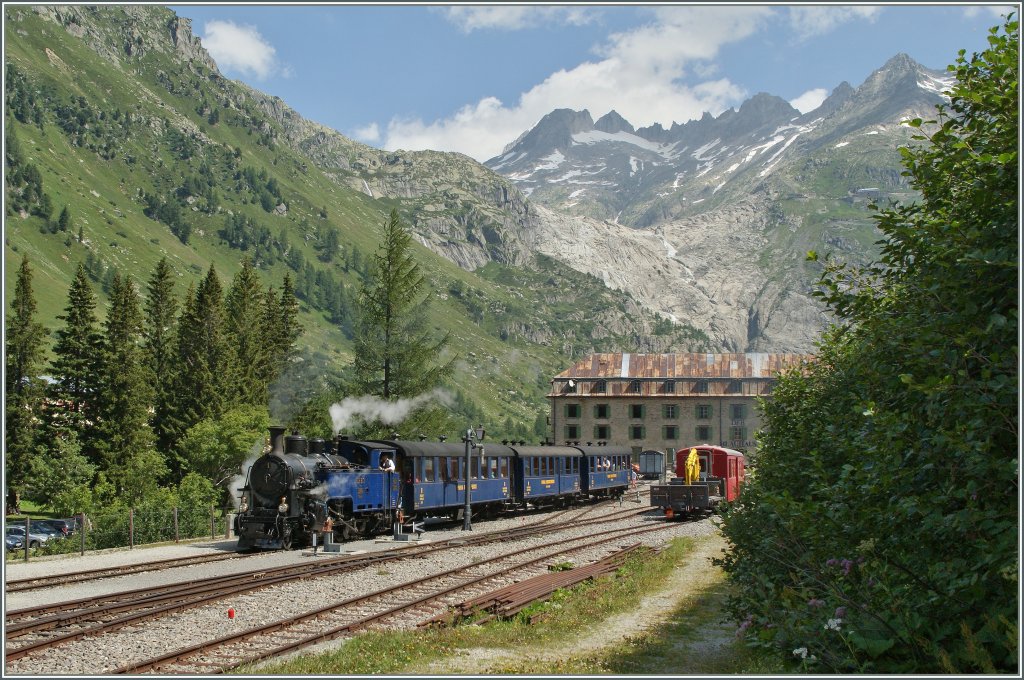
492	466
453	468
503	467
474	467
426	468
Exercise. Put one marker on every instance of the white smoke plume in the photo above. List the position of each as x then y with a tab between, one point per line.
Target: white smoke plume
388	412
236	483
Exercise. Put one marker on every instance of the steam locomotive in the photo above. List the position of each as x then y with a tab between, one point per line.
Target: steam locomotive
302	488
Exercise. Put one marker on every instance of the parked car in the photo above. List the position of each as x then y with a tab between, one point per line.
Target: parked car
47	527
60	527
17	533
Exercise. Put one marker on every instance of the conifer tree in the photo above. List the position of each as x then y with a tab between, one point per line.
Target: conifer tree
396	355
202	357
124	432
244	328
74	394
159	343
22	384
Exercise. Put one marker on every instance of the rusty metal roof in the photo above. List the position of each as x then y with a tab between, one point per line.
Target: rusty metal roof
683	365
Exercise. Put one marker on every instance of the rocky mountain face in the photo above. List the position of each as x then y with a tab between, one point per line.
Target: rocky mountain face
708	222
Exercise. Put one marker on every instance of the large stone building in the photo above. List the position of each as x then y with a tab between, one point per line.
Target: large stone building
664	402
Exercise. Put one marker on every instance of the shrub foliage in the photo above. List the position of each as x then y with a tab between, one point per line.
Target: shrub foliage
879	533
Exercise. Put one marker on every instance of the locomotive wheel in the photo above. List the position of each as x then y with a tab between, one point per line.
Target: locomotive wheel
286	541
346	532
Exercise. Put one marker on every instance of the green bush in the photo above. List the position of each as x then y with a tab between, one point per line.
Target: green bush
880	533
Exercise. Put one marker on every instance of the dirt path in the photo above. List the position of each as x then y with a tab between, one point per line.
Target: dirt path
687	583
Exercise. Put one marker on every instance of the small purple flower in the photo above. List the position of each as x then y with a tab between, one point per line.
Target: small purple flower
840	613
815	602
847	565
832	562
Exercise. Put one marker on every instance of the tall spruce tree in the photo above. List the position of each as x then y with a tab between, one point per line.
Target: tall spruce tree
74	392
22	384
244	330
159	334
124	432
396	353
202	357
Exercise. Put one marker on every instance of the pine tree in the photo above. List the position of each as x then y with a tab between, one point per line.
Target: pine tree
159	343
244	329
75	368
64	221
124	432
22	384
202	357
395	352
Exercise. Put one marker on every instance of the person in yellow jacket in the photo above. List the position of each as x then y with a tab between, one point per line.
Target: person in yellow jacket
692	467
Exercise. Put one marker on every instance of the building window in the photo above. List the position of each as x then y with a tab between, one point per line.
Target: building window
703	433
738	411
636	411
668	387
636	432
702	411
669	411
602	432
602	411
701	387
600	387
572	410
735	387
572	432
737	433
670	432
634	387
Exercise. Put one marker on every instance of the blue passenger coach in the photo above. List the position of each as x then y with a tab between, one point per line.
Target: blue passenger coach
605	470
434	478
547	475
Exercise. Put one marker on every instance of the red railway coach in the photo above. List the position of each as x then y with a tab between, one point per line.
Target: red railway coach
720	478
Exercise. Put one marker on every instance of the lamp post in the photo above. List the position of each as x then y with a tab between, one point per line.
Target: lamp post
478	433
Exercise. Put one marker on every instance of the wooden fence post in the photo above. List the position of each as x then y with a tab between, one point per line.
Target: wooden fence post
175	524
213	524
81	528
131	528
27	526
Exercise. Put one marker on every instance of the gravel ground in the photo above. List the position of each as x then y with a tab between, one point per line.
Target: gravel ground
102	654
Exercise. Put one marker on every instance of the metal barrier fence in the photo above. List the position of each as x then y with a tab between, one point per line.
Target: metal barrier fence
128	528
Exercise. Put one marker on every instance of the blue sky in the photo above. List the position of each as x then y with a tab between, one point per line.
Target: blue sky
473	78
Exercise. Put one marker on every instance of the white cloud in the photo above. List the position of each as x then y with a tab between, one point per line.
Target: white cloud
809	100
514	18
369	134
809	21
640	73
240	48
995	11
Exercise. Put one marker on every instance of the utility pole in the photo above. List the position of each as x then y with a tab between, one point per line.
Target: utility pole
467	523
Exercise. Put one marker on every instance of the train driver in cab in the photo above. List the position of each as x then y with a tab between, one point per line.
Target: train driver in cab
386	464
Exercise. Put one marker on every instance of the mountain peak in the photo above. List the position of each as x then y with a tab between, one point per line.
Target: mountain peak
612	122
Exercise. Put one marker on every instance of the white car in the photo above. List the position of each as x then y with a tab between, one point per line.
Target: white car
15	538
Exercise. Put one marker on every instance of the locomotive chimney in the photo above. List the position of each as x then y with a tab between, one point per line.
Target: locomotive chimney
277	440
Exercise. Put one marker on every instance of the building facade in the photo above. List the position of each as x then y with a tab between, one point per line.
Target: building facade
664	402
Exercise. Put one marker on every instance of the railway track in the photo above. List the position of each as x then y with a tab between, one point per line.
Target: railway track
404	605
38	629
74	577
